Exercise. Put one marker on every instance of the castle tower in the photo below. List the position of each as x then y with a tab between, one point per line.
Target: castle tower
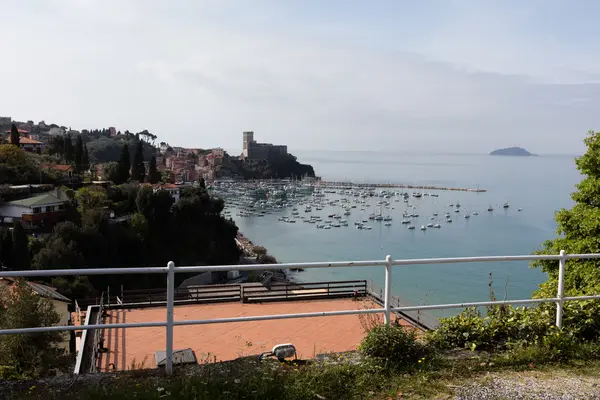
247	138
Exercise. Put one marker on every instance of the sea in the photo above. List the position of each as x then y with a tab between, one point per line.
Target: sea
538	185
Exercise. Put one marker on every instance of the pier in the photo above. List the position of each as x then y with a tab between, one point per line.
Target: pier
343	185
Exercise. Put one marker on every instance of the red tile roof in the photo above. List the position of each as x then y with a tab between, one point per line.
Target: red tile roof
58	167
26	140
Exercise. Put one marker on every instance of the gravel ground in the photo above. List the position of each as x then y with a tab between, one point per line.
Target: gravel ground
529	386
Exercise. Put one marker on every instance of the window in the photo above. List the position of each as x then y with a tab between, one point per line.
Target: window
61	207
37	210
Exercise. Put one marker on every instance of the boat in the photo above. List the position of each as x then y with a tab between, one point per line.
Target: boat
490	208
520	209
411	227
467	216
449	220
437	226
505	205
475	213
430	225
388	224
423	228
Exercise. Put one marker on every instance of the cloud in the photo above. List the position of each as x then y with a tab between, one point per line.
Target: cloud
199	73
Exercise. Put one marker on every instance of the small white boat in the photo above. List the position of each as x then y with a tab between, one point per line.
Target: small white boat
467	216
437	226
520	209
423	228
388	224
411	227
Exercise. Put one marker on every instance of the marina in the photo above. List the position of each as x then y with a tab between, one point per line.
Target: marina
337	205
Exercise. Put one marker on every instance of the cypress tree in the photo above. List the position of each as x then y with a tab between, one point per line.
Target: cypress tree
15	138
124	165
138	170
69	150
85	160
78	154
153	174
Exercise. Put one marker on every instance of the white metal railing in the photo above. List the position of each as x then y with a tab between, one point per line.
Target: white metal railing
387	309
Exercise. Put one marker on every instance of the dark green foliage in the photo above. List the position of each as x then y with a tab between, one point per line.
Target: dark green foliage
18	167
191	232
276	167
112	172
78	154
578	230
68	150
138	170
15	137
20	250
153	174
29	354
124	165
392	346
85	160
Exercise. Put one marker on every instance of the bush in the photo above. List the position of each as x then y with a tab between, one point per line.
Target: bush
392	346
498	329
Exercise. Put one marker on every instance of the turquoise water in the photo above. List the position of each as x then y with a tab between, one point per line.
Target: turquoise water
539	185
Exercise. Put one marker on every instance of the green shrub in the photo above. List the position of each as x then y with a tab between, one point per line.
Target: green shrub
392	346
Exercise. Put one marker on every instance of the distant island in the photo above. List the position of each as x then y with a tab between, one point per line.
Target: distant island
511	151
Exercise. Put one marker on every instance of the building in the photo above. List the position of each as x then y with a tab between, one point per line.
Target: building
169	187
38	211
5	120
56	131
26	143
60	302
218	152
112	131
252	150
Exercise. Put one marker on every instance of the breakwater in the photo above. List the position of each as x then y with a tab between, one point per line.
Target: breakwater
343	185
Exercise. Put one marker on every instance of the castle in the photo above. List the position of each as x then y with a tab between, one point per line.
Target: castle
252	150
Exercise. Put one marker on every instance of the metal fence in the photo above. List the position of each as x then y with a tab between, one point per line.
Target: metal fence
387	309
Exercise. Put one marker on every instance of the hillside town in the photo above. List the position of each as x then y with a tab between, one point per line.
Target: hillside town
175	164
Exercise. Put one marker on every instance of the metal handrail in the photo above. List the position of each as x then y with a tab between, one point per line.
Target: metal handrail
387	309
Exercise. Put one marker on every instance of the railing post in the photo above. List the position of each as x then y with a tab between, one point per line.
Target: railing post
388	287
561	288
170	301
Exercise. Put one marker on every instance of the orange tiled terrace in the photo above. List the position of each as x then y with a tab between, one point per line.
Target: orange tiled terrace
227	341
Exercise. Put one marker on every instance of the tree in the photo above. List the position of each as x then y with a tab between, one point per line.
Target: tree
138	170
111	172
15	137
124	165
85	160
202	183
69	151
33	354
78	154
20	252
578	230
153	174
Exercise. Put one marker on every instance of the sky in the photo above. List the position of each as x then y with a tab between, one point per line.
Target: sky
445	75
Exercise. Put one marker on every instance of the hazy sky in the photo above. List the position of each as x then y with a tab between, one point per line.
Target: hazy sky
444	75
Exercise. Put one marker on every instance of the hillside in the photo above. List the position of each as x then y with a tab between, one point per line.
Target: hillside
511	151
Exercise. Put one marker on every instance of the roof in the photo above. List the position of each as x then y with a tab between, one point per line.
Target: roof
26	140
57	167
42	290
19	130
38	200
